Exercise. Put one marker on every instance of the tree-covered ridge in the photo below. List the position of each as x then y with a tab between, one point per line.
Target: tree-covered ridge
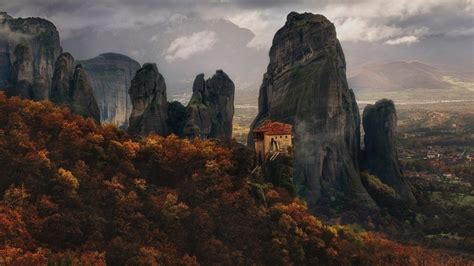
74	192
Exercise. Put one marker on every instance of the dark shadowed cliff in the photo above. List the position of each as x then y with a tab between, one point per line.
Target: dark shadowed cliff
380	122
148	97
71	86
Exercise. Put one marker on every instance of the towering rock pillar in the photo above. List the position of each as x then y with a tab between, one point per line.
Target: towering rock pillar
211	109
199	116
83	101
305	85
150	106
72	87
221	91
380	122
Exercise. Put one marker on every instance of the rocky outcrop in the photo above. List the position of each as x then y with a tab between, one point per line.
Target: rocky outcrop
61	83
72	87
22	79
28	50
380	122
199	115
83	101
211	109
305	85
148	97
111	75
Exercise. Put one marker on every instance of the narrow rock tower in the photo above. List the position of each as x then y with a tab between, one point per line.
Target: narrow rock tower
71	86
149	103
305	85
211	109
380	122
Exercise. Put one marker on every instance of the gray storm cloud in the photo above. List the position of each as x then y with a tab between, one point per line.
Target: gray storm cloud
192	36
361	20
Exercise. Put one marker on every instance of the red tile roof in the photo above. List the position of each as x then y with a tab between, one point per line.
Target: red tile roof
274	128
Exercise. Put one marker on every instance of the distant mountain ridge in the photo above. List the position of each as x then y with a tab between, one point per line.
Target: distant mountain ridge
405	75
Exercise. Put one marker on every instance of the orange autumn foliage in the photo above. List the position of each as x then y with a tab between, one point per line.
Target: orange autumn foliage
74	192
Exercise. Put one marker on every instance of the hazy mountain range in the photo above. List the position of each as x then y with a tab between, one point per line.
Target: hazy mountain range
406	75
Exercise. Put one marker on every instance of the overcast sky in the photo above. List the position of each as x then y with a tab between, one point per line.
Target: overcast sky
436	31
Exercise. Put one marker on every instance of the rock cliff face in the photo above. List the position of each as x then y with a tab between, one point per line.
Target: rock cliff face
22	79
150	106
305	85
211	108
380	121
111	75
72	87
199	122
28	50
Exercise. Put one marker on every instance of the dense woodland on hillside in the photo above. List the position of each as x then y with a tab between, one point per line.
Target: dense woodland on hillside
75	192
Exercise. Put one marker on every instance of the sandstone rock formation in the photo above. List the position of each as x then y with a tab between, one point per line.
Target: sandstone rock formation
111	75
211	108
28	50
305	85
148	97
380	121
72	87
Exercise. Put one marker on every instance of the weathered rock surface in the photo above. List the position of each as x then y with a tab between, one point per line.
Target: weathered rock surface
72	87
22	79
150	106
211	109
380	122
199	115
305	85
111	75
61	83
28	50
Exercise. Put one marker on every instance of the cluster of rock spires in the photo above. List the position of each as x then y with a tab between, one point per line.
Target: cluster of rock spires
211	109
305	85
29	50
209	113
110	88
32	66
